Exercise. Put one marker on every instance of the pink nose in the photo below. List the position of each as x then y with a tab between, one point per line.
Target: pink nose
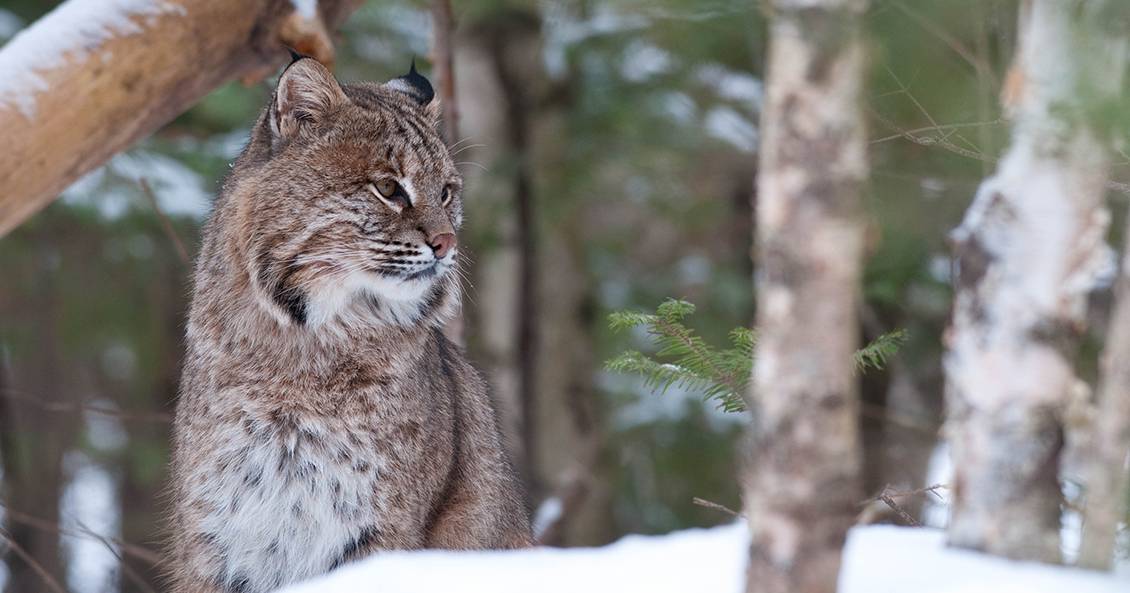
442	243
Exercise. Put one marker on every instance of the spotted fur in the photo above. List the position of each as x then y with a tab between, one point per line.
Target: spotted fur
323	415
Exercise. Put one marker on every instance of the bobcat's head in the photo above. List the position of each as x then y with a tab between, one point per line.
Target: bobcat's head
348	201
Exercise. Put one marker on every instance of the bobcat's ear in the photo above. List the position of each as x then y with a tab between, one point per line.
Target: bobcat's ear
414	85
306	93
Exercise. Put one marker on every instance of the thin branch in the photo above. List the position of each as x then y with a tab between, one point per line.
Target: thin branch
32	562
931	141
126	568
901	512
979	65
941	127
80	407
718	507
904	493
139	552
944	139
166	224
917	426
887	496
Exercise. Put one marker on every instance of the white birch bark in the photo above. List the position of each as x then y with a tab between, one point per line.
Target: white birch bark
1029	250
802	485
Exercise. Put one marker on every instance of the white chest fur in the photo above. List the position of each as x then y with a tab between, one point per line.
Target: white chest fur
287	501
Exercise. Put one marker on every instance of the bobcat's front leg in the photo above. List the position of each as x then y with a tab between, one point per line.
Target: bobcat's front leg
483	506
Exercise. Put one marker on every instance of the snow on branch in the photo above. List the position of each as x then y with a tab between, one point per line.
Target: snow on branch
71	31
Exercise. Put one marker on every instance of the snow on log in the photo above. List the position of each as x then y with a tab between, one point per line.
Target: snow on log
93	76
877	559
802	484
1031	246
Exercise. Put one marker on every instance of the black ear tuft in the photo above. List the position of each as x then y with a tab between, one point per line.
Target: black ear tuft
414	85
294	55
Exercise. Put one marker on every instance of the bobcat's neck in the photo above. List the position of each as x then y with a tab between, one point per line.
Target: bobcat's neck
231	321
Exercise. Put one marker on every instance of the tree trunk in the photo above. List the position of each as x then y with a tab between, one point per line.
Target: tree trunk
1030	248
802	487
443	58
1106	476
499	66
33	439
134	70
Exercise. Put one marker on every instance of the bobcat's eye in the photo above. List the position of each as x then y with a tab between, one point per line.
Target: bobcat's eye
390	192
448	195
387	187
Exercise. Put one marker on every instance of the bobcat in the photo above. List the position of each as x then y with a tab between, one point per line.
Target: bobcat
322	414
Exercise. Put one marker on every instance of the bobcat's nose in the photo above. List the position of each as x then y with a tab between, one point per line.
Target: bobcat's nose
442	243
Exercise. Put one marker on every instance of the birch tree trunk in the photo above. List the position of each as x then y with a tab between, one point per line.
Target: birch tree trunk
1029	250
91	78
802	486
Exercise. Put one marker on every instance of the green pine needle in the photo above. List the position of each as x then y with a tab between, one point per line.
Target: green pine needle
685	360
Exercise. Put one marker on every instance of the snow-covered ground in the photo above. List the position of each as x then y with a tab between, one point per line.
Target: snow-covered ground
878	559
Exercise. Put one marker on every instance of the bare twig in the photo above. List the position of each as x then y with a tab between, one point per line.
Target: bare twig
976	61
905	516
79	407
139	552
166	224
921	427
887	496
126	568
718	507
904	493
938	128
32	562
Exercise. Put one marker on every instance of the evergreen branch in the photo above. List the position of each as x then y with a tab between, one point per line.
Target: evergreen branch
721	375
876	354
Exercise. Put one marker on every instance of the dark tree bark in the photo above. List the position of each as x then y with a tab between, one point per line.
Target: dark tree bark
33	439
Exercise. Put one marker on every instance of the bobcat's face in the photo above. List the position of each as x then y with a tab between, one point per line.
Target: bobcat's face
358	204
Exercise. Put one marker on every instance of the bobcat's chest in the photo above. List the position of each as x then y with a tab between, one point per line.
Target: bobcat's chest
292	500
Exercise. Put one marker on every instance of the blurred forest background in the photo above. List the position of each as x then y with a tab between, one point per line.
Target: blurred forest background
610	152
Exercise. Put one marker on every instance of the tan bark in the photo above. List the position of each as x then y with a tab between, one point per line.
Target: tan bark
1107	478
102	95
1030	248
802	487
492	223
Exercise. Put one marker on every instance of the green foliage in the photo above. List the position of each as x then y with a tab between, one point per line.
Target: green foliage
876	354
685	360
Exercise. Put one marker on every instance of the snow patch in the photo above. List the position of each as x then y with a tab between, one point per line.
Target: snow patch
877	559
72	31
89	502
547	514
693	560
885	559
